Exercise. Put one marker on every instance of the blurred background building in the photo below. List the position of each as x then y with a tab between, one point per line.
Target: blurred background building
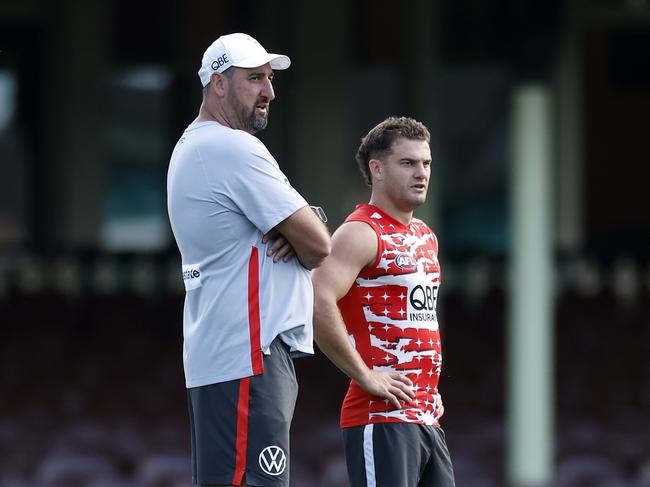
93	96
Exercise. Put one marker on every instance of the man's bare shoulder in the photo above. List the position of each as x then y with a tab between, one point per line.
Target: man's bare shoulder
355	241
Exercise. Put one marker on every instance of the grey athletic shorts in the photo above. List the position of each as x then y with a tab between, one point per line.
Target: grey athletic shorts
240	428
398	455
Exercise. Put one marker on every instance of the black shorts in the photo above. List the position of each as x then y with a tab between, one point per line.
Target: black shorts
397	455
240	428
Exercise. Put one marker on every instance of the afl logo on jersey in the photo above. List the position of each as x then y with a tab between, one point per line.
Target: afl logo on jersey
406	261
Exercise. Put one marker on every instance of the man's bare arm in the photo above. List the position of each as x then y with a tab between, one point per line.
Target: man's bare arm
354	246
307	236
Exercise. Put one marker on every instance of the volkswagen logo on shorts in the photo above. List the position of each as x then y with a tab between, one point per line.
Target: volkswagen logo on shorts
273	460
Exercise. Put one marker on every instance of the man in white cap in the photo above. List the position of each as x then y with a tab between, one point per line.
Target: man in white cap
247	240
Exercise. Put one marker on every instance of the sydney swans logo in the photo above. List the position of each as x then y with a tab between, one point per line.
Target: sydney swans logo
273	460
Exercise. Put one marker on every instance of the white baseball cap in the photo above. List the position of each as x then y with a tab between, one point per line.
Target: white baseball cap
239	50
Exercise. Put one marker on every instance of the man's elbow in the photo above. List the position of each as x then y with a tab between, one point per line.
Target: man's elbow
317	254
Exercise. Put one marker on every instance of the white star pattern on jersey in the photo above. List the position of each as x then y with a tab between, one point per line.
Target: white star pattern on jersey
411	280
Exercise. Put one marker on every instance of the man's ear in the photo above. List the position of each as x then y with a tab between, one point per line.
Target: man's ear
376	169
218	83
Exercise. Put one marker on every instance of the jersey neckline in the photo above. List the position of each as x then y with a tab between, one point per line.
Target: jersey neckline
387	216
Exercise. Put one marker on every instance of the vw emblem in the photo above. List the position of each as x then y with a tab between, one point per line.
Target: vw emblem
272	460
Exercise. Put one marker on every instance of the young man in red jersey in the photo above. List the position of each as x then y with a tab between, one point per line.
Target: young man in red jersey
375	317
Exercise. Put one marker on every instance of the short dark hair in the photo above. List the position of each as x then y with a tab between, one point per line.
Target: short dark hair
379	141
228	72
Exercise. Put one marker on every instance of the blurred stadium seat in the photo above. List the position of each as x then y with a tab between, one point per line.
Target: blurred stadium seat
73	469
165	470
93	385
589	471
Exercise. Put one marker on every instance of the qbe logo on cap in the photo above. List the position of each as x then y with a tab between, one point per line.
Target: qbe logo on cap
272	460
192	276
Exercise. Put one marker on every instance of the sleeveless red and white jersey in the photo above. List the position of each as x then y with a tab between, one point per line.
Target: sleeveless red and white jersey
390	315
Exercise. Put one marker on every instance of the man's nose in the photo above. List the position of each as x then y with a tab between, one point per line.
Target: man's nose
267	90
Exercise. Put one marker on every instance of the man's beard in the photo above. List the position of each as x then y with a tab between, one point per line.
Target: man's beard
250	122
257	123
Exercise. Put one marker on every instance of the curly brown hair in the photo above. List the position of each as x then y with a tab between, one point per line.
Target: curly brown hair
379	141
